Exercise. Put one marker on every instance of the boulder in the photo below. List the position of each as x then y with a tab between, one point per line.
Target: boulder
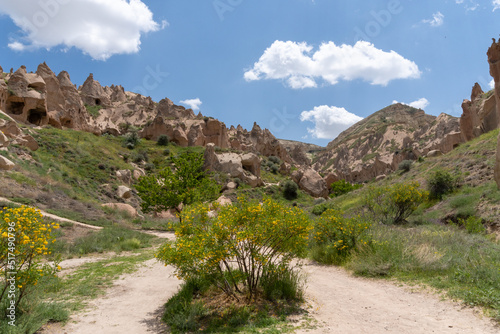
380	177
311	182
124	192
223	200
27	141
434	153
122	207
331	178
6	164
4	141
124	175
285	168
138	173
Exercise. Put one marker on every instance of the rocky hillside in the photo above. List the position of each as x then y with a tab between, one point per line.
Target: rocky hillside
377	144
42	98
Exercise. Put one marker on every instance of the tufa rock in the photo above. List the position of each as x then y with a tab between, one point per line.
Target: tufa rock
6	164
124	192
311	182
122	207
494	62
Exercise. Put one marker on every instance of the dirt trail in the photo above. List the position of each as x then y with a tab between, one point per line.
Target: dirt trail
340	304
350	305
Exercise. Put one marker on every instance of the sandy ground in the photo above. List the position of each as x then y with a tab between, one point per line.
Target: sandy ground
345	304
339	302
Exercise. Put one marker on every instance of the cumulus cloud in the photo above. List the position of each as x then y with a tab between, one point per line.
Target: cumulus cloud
437	20
329	121
419	104
100	28
301	67
496	4
193	103
492	84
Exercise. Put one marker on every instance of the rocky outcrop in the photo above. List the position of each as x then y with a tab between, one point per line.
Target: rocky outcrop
494	62
23	97
93	94
243	166
10	131
479	115
6	164
129	209
376	145
311	182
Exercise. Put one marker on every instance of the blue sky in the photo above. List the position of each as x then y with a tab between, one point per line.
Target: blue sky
304	69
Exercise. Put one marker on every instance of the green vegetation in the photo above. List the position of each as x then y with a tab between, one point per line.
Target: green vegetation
163	140
94	111
405	166
189	183
290	190
342	187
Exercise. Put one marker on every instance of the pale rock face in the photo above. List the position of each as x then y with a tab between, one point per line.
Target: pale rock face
124	175
311	182
122	207
479	114
6	164
4	141
377	144
124	192
494	62
246	166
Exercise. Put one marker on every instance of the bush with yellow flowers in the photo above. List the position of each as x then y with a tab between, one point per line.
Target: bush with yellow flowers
335	237
234	248
394	204
24	240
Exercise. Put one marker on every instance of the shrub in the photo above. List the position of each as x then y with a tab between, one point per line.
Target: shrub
130	140
335	237
166	152
472	224
342	187
319	209
163	140
290	189
405	166
441	183
275	160
394	204
24	240
274	169
232	253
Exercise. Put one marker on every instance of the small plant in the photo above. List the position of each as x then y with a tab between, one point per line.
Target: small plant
166	152
334	237
319	209
94	111
130	140
342	187
290	189
472	224
163	140
405	166
275	160
441	183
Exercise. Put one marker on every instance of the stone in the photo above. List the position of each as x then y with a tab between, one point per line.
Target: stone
6	164
311	182
231	186
434	153
380	177
124	175
138	173
285	168
4	141
122	207
124	192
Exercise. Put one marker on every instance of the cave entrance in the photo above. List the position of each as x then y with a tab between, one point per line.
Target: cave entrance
98	102
15	108
249	168
36	116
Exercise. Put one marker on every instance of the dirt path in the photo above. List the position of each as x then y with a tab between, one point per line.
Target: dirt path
349	305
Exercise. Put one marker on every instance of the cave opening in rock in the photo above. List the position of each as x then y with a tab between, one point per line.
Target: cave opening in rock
98	102
36	116
249	168
15	108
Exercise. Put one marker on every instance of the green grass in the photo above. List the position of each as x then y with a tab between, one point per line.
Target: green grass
111	238
463	265
94	111
186	314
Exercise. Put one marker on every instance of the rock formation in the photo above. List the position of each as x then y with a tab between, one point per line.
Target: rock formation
376	145
243	166
311	182
479	114
494	62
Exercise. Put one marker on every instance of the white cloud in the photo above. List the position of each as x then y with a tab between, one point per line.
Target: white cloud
300	67
100	28
419	104
329	121
492	84
496	4
192	104
436	21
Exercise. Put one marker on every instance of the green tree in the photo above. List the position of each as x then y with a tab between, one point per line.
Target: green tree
186	182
